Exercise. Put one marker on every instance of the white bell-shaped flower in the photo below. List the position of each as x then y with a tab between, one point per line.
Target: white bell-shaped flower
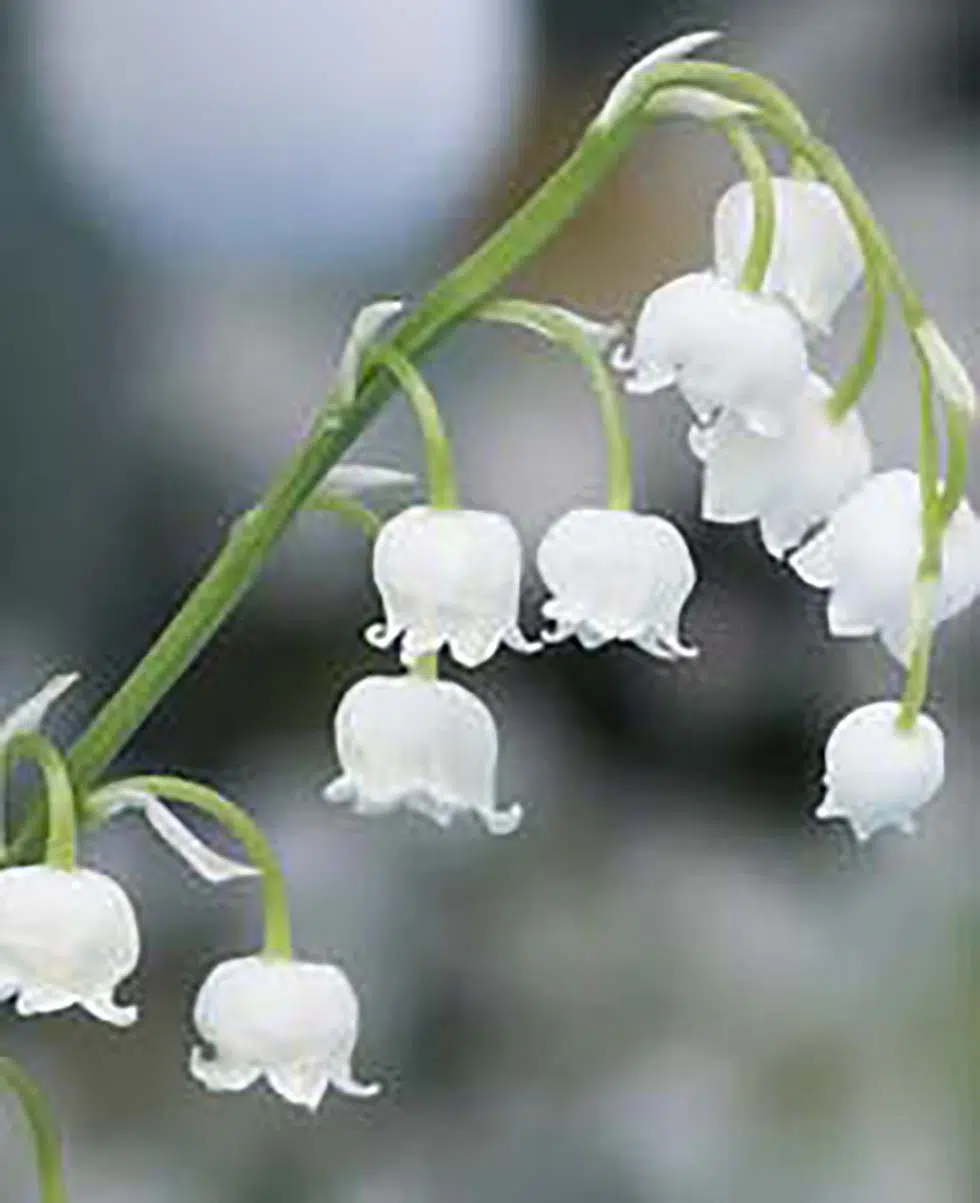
816	257
868	556
293	1022
724	349
789	483
877	774
616	574
67	937
430	746
448	577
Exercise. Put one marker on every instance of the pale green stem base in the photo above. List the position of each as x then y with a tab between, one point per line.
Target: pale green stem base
47	1145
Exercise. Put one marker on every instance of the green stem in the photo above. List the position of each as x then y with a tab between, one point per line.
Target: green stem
47	1145
349	509
850	388
236	821
441	471
921	632
59	793
564	329
957	448
426	667
249	544
756	168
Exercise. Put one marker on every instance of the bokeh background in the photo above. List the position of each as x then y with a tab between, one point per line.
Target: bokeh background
671	986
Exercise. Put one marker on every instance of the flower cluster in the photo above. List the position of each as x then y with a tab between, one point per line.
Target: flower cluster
897	551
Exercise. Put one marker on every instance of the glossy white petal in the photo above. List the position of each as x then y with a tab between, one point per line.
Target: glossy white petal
356	480
293	1022
207	863
877	775
448	577
816	258
430	746
868	556
623	90
789	483
616	574
723	348
67	937
952	380
29	715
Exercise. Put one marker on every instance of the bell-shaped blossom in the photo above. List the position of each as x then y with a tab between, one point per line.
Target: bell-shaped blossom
789	483
293	1022
430	746
448	577
616	574
723	348
67	937
816	256
868	556
879	774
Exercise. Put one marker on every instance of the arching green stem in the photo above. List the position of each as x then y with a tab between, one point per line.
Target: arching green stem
349	509
236	821
850	388
756	168
59	793
441	471
954	489
572	332
47	1144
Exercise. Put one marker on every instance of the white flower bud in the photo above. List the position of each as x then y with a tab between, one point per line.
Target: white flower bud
868	557
293	1022
877	774
616	574
816	257
67	937
448	577
789	483
952	380
430	746
724	349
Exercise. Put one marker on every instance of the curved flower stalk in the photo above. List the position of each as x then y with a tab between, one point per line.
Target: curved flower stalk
877	773
724	349
789	483
868	556
617	574
816	258
449	577
292	1022
427	745
47	1144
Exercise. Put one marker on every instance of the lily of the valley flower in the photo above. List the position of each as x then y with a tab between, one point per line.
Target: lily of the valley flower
67	937
723	348
816	257
293	1022
448	576
789	483
428	745
616	574
868	556
879	774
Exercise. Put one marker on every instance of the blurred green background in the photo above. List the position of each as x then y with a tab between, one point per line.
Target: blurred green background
671	986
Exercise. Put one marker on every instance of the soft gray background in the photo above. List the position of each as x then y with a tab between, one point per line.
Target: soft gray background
671	986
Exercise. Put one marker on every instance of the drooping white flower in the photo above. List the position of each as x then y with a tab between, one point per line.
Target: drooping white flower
952	380
67	937
616	574
868	555
724	349
877	774
789	483
292	1022
430	746
448	577
816	257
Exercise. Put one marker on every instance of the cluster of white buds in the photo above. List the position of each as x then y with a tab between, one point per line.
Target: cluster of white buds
898	552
